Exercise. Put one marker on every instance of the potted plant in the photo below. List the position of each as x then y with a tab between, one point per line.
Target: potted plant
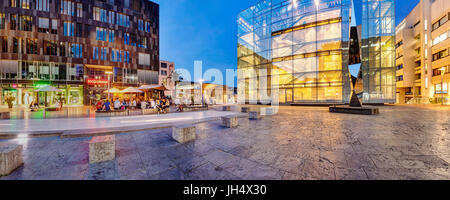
9	100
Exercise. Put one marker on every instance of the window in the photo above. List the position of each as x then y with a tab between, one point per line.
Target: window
101	34
440	39
25	23
164	73
67	7
17	43
439	23
20	4
69	28
100	14
62	49
122	20
141	25
111	35
43	25
32	46
79	10
4	44
400	67
440	55
119	56
50	48
164	65
42	5
126	38
104	53
126	58
95	53
113	55
76	51
111	17
13	22
79	30
54	26
142	42
441	88
2	20
148	27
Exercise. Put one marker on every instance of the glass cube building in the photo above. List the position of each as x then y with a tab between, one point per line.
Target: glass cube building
297	51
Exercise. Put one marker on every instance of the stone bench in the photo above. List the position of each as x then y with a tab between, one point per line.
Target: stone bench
195	108
183	133
102	148
245	109
112	113
254	115
226	108
149	111
268	111
10	158
5	115
230	121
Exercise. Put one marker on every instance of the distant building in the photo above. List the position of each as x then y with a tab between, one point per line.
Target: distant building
422	49
166	70
213	94
77	46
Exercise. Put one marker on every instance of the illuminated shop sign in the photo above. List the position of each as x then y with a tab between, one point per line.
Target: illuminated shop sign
96	82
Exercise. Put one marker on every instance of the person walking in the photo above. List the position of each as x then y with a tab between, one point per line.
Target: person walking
107	106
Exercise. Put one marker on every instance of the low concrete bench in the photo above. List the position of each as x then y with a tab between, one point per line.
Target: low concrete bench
102	148
254	115
5	115
195	108
183	133
52	109
226	108
268	111
112	113
149	111
245	109
230	121
10	158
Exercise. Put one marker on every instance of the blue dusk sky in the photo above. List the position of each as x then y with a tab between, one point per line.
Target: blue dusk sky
206	30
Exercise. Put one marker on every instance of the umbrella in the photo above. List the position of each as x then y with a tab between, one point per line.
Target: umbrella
131	90
150	87
112	90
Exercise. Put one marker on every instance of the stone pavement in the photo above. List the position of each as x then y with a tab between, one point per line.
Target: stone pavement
29	126
300	143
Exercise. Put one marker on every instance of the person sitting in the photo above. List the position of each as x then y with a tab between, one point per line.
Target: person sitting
133	104
143	105
117	104
153	103
107	106
124	105
99	105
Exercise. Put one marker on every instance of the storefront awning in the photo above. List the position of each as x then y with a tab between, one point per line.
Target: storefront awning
153	87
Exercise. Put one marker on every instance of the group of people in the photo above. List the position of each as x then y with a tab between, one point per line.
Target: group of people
134	103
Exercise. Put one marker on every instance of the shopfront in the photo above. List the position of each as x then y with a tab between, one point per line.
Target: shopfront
25	94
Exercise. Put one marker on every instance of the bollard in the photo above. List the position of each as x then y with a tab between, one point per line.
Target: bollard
66	113
43	113
88	111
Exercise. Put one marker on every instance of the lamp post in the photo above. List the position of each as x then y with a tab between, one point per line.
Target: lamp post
201	89
443	69
109	82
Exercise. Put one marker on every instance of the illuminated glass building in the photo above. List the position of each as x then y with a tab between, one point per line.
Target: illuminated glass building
297	51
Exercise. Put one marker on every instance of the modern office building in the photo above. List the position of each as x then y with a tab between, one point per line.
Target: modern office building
78	46
298	51
166	69
422	48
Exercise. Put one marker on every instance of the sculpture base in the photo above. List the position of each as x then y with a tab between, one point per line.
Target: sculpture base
355	110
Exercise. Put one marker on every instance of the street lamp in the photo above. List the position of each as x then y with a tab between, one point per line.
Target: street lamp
201	88
109	82
443	69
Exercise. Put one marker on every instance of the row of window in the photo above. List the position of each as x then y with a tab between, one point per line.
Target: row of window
2	21
144	26
441	38
21	22
111	17
104	34
44	25
441	22
440	55
438	71
25	4
399	78
399	44
71	8
101	53
399	67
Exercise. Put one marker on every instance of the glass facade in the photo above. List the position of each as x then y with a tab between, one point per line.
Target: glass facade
297	51
378	51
